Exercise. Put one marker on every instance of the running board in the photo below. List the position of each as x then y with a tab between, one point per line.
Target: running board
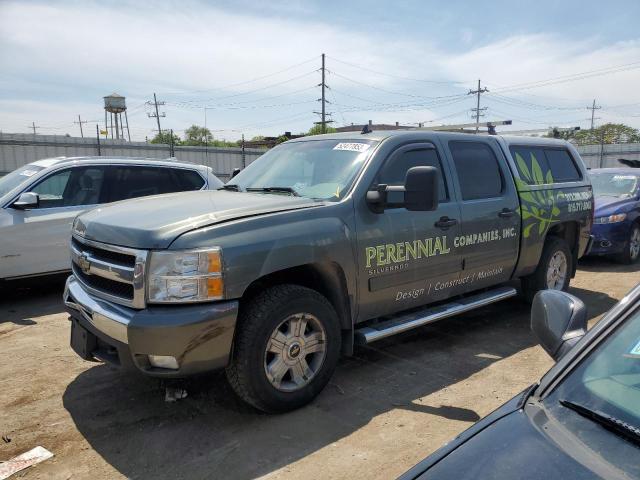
412	320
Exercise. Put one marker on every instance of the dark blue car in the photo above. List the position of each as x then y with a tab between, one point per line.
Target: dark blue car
616	228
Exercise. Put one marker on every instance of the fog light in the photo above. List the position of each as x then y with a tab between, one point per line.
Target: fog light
164	361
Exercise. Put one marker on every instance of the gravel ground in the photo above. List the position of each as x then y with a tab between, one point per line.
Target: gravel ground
386	408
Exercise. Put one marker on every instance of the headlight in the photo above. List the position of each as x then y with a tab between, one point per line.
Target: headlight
185	276
619	217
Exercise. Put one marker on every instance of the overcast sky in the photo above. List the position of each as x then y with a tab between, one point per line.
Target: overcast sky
255	65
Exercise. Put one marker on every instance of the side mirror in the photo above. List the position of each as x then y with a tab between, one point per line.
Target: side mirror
421	189
558	320
26	200
235	172
419	193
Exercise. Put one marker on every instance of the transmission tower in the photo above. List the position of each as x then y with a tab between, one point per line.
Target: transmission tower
323	113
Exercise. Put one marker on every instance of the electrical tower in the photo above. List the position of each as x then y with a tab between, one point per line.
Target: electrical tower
593	109
80	122
478	111
323	113
156	115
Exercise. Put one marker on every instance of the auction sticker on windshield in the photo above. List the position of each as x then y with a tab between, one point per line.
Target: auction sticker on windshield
352	147
635	351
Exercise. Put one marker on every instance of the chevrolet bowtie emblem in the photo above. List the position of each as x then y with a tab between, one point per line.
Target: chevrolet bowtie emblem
84	263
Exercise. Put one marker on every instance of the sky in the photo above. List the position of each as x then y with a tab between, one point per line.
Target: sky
253	67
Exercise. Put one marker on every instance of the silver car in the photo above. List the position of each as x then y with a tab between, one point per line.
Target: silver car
39	201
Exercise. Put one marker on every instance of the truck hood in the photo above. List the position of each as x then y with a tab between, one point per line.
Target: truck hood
154	222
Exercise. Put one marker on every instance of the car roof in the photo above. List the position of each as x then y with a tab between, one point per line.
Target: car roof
379	135
621	170
169	162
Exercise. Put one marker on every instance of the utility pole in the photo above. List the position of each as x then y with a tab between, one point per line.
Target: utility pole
323	113
33	125
244	158
80	122
156	115
593	109
98	137
477	110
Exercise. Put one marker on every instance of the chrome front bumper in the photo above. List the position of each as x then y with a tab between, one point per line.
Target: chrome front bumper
105	317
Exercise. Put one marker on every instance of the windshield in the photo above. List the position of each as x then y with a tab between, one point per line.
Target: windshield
318	169
17	177
614	184
609	379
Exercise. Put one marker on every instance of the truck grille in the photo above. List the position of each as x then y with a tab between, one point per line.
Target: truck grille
110	272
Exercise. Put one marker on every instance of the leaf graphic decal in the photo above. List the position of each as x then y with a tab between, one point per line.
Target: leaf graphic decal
538	178
522	167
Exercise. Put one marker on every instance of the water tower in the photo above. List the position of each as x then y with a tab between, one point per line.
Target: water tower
115	106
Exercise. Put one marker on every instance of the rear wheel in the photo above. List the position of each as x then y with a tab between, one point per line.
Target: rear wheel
553	271
631	252
286	348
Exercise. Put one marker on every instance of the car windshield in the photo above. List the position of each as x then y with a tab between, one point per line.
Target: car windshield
17	177
318	169
608	381
614	184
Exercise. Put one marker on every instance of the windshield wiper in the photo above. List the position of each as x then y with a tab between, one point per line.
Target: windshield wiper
233	188
274	189
611	423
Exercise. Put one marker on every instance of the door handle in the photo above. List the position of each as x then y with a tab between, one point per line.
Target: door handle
506	213
446	222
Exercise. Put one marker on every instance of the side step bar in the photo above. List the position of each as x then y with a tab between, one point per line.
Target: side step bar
412	320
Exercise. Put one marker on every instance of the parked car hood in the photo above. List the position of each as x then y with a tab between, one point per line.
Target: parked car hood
606	205
154	222
512	447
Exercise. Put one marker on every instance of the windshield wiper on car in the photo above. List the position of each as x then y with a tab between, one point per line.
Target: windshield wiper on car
274	190
233	188
611	423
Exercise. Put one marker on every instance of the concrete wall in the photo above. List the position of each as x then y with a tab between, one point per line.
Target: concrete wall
596	156
19	149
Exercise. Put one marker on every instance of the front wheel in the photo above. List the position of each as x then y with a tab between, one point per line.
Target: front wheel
631	252
553	271
286	348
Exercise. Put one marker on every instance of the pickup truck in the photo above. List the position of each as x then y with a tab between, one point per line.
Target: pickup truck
322	243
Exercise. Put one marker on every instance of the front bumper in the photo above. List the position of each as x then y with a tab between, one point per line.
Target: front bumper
609	238
198	336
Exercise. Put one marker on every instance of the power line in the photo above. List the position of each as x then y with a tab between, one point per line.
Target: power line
477	115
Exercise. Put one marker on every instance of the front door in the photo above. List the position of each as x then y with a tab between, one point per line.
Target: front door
406	258
37	240
490	222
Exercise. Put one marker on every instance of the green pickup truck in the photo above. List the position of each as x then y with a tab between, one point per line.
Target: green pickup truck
323	243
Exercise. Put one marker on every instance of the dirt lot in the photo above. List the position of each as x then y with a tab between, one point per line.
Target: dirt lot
384	410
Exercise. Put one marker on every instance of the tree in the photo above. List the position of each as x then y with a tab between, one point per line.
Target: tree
195	135
165	138
607	133
317	130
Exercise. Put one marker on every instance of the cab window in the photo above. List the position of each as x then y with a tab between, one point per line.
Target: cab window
542	165
478	170
395	169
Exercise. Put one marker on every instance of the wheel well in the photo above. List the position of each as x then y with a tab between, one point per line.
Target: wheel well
327	279
570	233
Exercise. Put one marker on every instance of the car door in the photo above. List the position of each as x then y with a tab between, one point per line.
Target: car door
490	235
133	181
37	240
407	258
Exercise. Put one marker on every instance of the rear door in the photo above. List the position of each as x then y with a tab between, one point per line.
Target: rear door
408	258
133	181
489	240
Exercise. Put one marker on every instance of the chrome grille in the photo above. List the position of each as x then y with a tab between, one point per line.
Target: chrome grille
110	272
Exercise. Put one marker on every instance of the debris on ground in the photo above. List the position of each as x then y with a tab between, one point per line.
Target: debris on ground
25	460
173	394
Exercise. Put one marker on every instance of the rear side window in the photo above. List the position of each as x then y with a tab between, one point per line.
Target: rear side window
539	165
395	170
188	179
478	170
134	182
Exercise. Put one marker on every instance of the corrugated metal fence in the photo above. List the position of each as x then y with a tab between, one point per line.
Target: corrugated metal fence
19	149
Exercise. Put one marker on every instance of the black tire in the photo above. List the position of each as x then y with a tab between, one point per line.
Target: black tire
629	255
538	280
258	321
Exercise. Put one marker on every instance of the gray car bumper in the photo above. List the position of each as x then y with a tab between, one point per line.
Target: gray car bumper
199	336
